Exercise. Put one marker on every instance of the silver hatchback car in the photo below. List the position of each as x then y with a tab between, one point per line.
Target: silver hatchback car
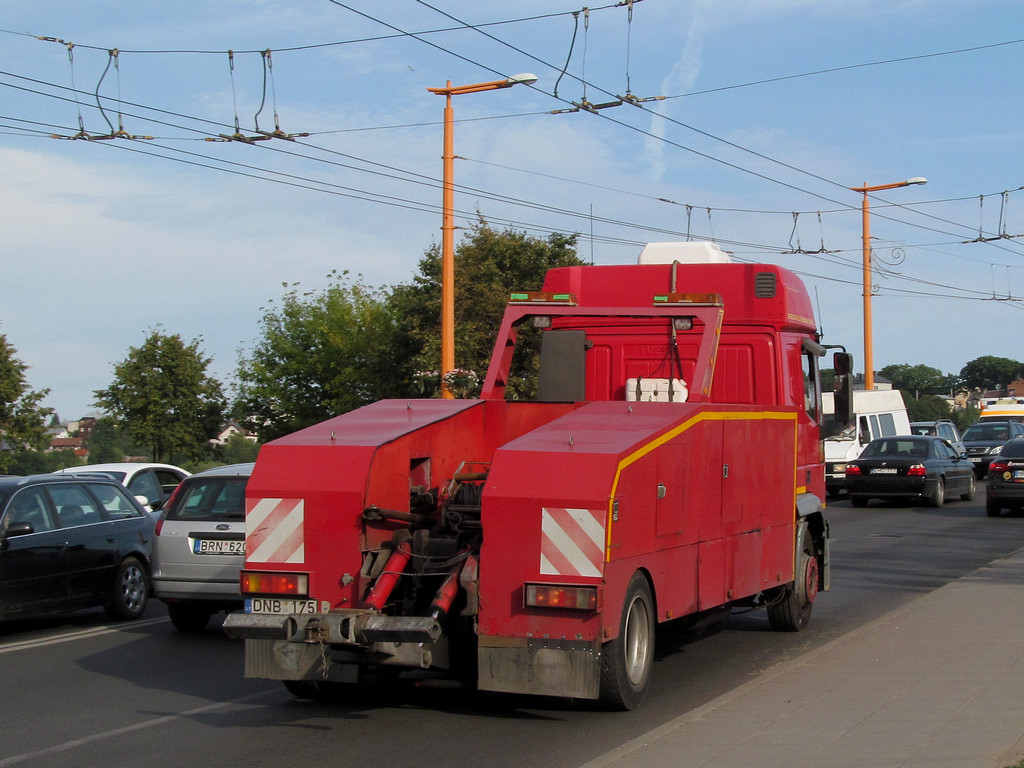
200	546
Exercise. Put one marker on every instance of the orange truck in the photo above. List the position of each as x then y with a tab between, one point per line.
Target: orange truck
646	448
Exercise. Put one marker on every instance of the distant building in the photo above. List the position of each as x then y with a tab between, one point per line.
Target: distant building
228	431
880	382
69	444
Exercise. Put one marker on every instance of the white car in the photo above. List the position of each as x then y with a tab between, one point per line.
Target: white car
152	482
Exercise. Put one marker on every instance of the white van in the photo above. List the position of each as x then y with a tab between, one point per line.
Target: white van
877	413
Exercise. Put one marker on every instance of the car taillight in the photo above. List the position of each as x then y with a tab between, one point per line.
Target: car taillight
268	583
852	469
561	596
998	466
916	470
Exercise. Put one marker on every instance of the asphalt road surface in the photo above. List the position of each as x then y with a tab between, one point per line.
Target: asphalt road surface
79	691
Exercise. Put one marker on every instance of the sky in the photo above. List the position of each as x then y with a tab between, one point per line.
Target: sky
773	109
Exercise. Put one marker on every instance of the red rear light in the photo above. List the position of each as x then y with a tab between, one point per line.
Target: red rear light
852	469
917	470
998	466
561	596
264	583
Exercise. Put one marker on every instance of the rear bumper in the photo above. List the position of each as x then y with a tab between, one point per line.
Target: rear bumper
222	591
894	488
1005	492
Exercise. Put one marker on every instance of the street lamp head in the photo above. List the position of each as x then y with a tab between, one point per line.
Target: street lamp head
523	78
917	180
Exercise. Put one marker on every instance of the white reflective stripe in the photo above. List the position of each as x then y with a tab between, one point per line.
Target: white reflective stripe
262	509
591	525
271	541
545	565
577	562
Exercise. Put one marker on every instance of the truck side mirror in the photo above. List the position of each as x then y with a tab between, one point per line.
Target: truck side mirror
842	386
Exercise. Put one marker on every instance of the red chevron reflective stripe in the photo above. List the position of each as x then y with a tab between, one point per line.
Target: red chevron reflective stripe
572	542
274	531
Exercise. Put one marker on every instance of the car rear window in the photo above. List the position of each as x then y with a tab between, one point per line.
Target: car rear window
213	498
897	447
1013	450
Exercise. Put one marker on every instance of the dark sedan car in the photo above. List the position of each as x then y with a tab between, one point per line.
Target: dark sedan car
70	542
1006	479
910	467
984	439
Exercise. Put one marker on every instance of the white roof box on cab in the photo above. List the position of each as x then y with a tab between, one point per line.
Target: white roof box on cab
695	252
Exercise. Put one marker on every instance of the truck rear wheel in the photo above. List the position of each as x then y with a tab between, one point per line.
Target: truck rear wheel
790	611
626	661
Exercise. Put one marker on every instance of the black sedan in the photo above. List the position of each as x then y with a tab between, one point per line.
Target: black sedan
1006	479
910	467
984	439
70	542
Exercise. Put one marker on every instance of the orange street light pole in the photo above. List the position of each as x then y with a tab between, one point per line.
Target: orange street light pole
869	362
448	215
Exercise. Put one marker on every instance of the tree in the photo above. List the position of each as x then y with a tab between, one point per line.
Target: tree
990	372
489	265
928	408
918	379
105	444
322	353
22	418
163	398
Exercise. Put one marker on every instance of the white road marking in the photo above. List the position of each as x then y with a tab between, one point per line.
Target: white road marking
78	634
74	743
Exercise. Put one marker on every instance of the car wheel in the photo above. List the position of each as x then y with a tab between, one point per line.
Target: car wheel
790	611
626	661
189	617
972	489
938	496
129	592
993	508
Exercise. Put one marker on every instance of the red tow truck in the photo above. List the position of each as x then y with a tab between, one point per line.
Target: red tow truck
646	448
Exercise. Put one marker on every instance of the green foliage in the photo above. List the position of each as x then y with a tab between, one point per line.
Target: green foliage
33	462
162	397
322	353
489	265
989	372
928	408
106	444
963	419
238	449
918	380
22	418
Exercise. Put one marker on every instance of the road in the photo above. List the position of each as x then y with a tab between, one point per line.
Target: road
79	691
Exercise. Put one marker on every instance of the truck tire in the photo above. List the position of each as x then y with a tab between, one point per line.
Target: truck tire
626	661
129	592
189	617
790	611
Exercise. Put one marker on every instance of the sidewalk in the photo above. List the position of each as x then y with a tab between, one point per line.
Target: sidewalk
938	683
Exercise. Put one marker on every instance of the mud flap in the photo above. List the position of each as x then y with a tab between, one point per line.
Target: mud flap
539	667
